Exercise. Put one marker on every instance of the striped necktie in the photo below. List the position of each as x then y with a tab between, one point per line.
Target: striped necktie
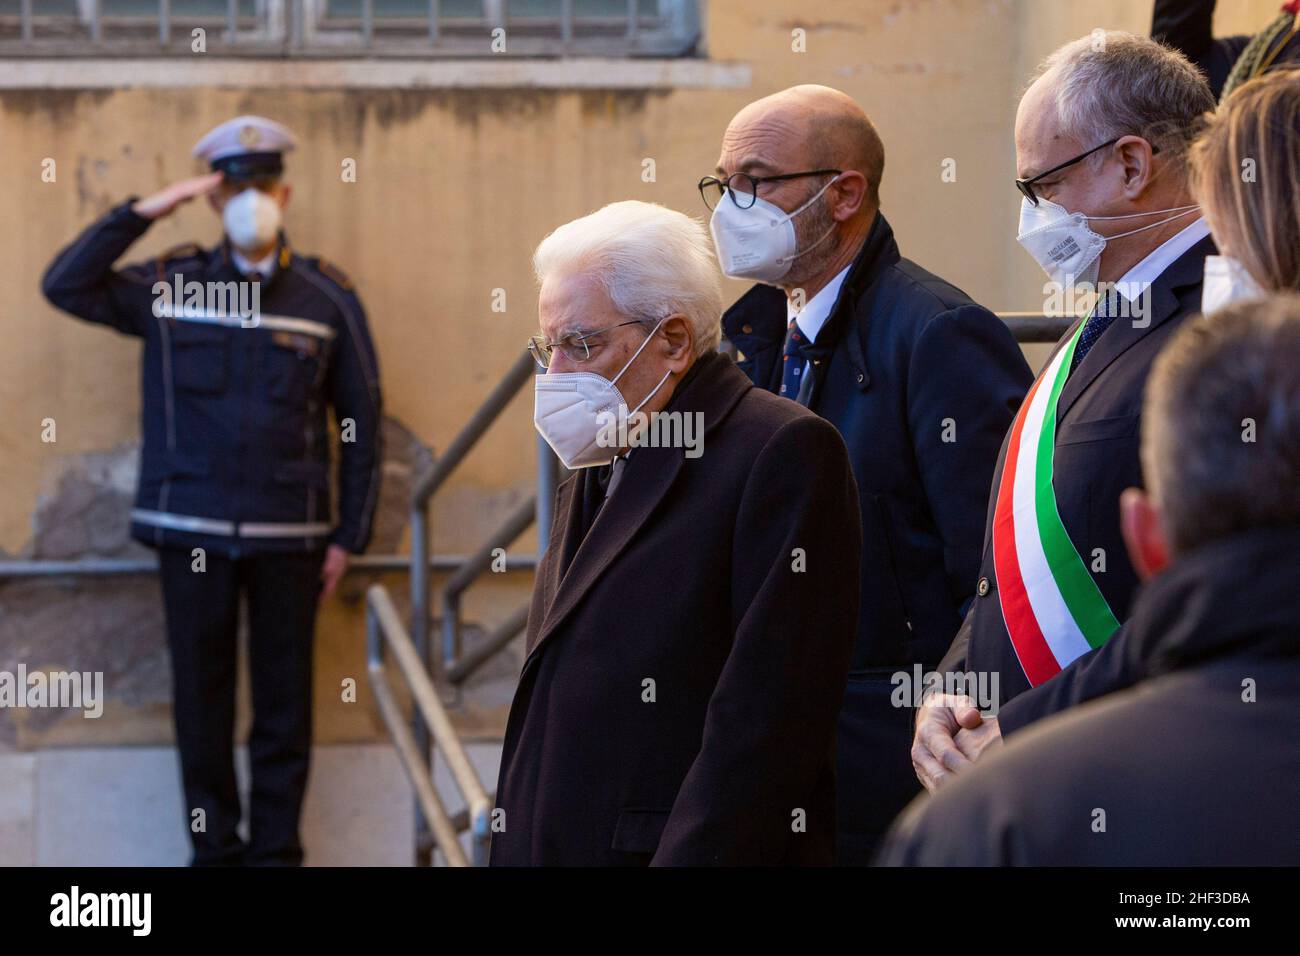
793	362
1103	314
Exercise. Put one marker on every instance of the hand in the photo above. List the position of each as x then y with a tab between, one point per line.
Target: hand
935	754
332	571
165	202
973	743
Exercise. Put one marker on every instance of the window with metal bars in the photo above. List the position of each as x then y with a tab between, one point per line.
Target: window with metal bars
430	28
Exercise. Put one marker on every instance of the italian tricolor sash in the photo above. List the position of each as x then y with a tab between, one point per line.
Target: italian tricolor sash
1052	607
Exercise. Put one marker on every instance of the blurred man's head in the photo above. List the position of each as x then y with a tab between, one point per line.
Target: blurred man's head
802	130
1132	106
1220	433
633	275
1246	175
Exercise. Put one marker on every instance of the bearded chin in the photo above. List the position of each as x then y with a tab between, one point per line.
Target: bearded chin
814	224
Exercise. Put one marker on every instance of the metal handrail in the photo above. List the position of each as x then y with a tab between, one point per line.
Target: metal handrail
426	486
384	627
517	376
130	567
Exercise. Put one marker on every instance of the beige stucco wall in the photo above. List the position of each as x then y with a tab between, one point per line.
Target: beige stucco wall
454	189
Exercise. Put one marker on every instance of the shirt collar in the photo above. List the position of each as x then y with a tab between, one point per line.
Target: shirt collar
265	266
1164	255
817	309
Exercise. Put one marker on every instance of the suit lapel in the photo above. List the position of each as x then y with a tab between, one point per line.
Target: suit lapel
1188	269
647	477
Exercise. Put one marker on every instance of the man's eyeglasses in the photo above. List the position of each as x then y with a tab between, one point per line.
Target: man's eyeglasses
575	346
744	187
1026	186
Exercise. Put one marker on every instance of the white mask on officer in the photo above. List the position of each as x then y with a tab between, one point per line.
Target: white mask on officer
251	219
759	242
1227	281
1062	242
571	408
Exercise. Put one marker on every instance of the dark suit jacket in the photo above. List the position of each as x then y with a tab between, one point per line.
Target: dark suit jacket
686	656
922	383
1095	459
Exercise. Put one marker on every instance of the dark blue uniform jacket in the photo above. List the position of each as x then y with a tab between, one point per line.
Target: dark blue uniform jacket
234	412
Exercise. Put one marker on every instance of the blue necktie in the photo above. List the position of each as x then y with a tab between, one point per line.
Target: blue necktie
793	362
1103	314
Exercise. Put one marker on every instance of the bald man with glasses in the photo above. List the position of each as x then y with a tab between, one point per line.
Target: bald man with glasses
920	380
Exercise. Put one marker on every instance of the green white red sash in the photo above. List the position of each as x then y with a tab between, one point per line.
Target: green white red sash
1052	607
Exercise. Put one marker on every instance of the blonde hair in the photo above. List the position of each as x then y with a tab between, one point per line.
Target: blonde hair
651	260
1246	176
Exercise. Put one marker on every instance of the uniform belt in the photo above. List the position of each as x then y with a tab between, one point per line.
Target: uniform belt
286	323
246	529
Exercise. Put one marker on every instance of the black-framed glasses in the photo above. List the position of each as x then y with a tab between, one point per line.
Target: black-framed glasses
573	346
1026	186
744	187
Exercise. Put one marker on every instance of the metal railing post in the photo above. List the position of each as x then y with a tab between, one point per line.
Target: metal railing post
420	638
384	629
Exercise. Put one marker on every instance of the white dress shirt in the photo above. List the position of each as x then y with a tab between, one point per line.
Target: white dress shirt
1161	258
266	265
816	310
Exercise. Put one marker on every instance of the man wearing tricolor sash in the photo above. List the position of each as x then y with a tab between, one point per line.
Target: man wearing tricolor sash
1101	137
1194	766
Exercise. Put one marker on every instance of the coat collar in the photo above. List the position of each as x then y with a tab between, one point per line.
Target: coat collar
757	320
221	262
712	387
1184	272
1232	595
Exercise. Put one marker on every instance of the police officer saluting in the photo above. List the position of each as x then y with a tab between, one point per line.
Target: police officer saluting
246	347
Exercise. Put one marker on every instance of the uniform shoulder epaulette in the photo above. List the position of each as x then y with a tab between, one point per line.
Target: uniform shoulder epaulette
186	250
332	272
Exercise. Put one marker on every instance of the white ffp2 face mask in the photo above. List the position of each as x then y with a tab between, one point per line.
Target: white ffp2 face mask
759	242
567	410
1062	242
1227	281
251	219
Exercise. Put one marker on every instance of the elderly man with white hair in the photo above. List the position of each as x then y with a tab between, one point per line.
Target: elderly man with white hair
689	637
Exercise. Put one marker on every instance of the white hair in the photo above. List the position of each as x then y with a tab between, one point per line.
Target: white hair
1113	83
652	262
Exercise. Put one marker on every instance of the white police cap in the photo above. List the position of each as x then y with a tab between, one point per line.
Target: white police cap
246	146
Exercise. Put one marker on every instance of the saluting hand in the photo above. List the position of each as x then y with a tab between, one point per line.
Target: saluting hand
332	571
166	201
935	753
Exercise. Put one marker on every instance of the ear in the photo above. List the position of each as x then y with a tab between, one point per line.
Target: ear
284	192
679	340
217	204
848	195
1144	534
1134	154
